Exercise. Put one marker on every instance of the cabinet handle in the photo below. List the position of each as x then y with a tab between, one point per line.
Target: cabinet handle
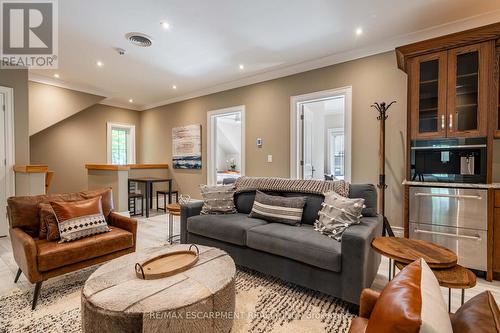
453	196
451	122
419	231
442	122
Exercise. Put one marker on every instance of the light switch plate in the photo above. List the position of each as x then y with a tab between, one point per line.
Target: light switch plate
270	158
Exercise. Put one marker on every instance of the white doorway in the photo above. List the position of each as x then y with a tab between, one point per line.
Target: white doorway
226	145
321	135
6	154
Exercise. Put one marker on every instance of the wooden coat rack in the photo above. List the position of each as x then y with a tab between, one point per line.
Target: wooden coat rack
382	117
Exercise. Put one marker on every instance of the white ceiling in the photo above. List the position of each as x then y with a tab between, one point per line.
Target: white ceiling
208	39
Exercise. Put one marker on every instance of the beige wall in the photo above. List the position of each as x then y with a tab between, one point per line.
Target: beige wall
374	78
50	104
70	144
18	80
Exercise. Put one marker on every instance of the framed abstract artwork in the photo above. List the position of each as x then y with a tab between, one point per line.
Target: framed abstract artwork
186	147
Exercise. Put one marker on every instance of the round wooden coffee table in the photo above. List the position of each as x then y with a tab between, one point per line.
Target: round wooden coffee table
200	299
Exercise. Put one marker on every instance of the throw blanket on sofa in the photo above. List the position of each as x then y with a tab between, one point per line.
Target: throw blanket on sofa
249	184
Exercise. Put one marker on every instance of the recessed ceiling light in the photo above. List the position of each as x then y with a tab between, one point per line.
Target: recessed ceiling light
99	63
174	87
165	25
359	31
56	75
242	66
131	100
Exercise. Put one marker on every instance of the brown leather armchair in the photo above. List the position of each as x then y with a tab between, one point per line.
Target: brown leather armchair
480	314
40	259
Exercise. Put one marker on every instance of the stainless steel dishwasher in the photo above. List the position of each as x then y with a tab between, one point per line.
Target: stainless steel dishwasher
454	218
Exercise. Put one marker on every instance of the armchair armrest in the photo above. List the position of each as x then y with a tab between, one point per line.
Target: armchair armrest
123	222
359	261
188	210
24	250
367	302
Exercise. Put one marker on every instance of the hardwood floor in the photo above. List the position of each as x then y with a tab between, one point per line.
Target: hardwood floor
153	232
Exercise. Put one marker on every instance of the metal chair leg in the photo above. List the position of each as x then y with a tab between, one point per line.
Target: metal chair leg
38	285
390	269
18	274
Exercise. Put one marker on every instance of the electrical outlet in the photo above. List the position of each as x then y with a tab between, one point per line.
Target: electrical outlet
269	158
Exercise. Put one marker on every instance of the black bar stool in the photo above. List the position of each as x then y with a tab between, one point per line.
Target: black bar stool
165	196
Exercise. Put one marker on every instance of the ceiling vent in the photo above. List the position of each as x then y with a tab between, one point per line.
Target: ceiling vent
139	39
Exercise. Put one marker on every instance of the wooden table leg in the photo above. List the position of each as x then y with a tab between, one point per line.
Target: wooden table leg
463	297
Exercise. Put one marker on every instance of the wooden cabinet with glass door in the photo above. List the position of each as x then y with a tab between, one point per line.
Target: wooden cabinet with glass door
496	83
449	92
469	68
427	80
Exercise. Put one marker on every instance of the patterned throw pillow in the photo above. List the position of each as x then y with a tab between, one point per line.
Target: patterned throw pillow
49	222
79	219
337	214
274	208
218	199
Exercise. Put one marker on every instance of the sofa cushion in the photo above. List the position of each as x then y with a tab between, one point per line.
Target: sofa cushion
299	243
479	314
279	209
106	195
244	203
367	192
227	228
79	219
52	255
218	199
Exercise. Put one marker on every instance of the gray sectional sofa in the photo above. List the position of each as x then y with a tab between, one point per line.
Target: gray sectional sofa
300	254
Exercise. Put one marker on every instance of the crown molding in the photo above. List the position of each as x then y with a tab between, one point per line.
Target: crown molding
128	106
376	48
66	85
389	45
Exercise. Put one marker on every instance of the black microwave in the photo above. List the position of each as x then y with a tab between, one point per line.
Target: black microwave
460	160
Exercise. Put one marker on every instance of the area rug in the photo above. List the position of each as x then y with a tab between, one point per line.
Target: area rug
263	304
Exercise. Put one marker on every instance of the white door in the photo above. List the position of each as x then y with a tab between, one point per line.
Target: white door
3	170
226	146
308	144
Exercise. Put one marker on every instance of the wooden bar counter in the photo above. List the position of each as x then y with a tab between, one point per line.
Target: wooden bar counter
116	177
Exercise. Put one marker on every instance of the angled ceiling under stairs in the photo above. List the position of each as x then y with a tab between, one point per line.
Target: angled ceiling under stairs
49	105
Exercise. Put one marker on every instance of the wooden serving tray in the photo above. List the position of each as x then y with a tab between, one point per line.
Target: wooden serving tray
167	264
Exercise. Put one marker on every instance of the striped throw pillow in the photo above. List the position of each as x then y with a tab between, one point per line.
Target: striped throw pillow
274	208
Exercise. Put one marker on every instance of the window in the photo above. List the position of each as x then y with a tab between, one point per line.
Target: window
121	143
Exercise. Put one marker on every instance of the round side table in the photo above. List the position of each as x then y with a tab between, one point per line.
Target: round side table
457	277
405	250
173	210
